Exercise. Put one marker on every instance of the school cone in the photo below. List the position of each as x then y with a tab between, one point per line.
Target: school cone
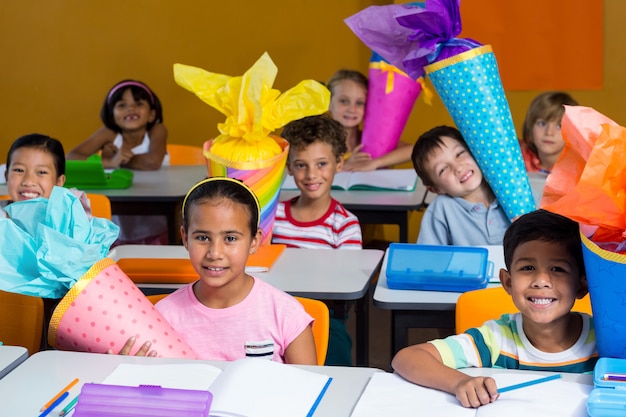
470	87
264	177
605	272
391	94
103	309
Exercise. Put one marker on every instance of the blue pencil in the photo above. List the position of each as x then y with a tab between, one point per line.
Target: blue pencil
54	404
528	383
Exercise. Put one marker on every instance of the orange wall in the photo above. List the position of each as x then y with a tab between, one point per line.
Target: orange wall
59	59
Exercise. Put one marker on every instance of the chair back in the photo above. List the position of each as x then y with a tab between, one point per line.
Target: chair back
100	205
321	326
316	309
21	320
185	155
473	308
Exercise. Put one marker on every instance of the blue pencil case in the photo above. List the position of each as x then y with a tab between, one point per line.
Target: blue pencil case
100	400
608	398
437	268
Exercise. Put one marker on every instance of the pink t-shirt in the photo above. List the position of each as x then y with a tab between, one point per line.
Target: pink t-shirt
262	325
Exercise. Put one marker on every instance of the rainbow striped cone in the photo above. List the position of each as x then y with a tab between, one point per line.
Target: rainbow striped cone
103	309
470	87
606	277
391	95
263	177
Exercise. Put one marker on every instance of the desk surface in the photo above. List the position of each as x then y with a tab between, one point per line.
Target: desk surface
44	374
10	357
312	273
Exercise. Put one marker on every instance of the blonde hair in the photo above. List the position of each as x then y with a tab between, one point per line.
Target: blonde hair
346	74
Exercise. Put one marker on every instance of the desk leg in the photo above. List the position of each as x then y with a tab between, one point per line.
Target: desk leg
362	312
170	209
403	320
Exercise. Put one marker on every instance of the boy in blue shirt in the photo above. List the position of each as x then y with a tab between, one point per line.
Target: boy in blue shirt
465	211
545	274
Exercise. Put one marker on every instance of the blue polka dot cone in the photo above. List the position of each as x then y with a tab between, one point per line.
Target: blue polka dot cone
607	288
470	87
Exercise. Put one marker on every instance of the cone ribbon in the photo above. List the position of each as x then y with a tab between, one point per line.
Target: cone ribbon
264	177
470	87
103	309
391	95
607	288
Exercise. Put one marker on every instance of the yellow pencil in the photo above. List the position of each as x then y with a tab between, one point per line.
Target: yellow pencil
56	397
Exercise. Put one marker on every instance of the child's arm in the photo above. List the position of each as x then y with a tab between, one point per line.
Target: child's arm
301	350
98	141
153	159
396	156
422	365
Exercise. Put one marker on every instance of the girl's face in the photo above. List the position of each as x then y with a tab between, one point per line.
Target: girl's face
131	115
347	104
547	137
32	174
219	241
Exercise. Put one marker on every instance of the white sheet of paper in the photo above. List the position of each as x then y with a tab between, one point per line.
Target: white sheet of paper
198	376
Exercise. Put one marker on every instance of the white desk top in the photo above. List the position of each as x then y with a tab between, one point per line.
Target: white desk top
387	298
44	374
10	357
372	200
313	273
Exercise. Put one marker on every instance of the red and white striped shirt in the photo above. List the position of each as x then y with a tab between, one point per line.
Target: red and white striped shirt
336	229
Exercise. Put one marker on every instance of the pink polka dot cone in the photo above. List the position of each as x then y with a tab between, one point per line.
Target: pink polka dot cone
470	87
103	309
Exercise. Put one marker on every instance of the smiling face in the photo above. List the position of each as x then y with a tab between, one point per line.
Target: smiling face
130	114
219	240
32	174
313	169
347	104
544	281
453	170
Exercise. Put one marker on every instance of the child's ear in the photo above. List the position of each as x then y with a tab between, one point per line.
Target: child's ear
340	163
256	241
584	288
183	236
505	280
61	180
434	189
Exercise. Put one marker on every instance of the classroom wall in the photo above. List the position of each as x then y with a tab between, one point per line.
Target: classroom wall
61	57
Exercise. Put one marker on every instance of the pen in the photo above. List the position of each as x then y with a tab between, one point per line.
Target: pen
66	389
528	383
54	404
614	377
69	407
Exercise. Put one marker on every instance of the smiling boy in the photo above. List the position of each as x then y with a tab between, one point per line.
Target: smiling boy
465	211
545	274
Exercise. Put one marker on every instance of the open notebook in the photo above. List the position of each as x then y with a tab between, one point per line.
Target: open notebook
381	179
244	388
390	395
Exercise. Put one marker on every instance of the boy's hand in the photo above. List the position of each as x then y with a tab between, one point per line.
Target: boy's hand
143	351
476	391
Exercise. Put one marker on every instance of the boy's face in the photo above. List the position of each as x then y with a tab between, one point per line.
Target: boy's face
453	170
547	137
313	169
544	281
32	174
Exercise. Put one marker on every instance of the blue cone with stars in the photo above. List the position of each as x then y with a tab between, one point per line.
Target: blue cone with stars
470	87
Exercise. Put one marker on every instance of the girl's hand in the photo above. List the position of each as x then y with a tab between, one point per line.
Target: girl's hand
476	391
143	351
356	159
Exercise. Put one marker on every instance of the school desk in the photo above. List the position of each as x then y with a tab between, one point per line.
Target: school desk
338	275
422	309
41	376
378	207
11	357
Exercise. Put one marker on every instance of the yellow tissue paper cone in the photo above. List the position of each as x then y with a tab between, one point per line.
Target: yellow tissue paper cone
253	109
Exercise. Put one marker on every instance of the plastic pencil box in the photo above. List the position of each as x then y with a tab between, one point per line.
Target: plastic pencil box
437	268
100	400
90	175
608	398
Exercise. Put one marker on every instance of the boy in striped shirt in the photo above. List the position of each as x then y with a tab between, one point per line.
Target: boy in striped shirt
314	219
545	274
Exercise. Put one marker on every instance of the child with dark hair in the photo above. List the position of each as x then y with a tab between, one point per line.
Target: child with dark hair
544	275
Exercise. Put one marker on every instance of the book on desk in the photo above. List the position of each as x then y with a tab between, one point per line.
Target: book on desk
381	179
246	387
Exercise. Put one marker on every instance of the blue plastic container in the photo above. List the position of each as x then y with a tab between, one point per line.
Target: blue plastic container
437	268
608	398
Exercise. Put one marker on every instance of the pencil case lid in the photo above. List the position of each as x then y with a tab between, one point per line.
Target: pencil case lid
90	175
437	268
100	400
608	398
610	373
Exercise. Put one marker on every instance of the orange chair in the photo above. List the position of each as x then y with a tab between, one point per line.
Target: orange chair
185	155
100	205
473	308
21	320
316	309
